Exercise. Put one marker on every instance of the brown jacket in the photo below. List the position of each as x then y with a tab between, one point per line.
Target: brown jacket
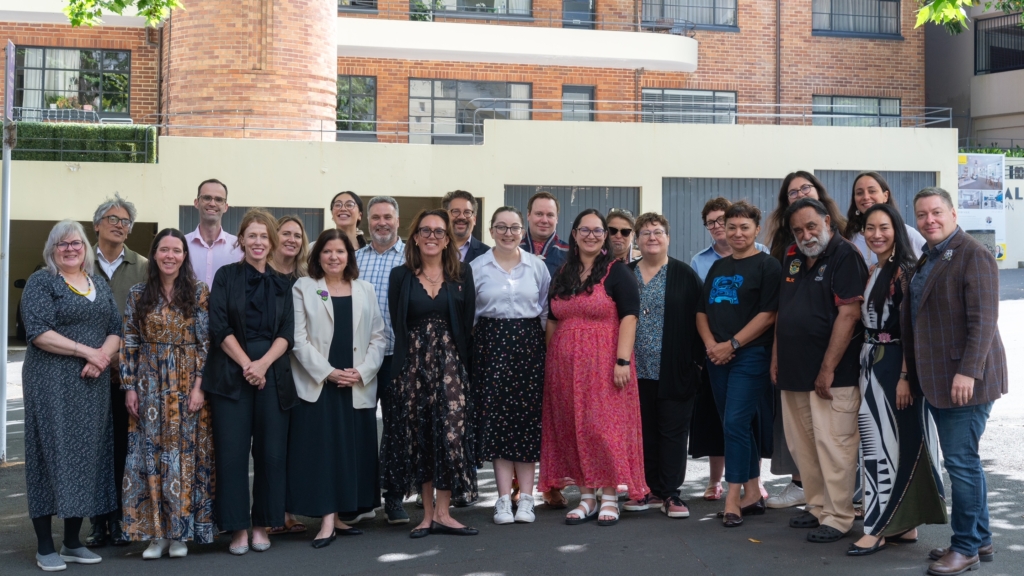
956	330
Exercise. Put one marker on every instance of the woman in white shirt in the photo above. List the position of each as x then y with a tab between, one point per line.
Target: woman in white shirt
870	188
508	361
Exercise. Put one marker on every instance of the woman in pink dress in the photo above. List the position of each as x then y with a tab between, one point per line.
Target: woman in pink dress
591	418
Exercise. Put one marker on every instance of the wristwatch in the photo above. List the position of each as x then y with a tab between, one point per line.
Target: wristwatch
735	343
622	362
903	375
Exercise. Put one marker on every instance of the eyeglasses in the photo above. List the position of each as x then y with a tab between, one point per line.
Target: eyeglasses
75	245
712	223
625	232
114	220
456	213
801	191
206	199
502	229
426	233
595	232
349	205
657	233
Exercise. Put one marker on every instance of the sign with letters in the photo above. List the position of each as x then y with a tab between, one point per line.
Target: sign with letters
981	201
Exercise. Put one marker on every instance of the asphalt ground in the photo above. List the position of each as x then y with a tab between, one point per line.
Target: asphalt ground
642	544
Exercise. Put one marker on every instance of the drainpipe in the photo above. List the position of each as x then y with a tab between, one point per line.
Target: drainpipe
637	75
159	77
778	60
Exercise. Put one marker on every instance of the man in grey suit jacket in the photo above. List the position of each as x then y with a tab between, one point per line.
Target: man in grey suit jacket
955	358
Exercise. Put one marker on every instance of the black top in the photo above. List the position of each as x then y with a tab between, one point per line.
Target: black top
809	301
340	355
261	289
735	291
622	286
421	305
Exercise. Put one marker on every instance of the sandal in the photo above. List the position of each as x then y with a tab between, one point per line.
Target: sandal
609	502
825	535
899	539
584	512
296	528
555	504
713	492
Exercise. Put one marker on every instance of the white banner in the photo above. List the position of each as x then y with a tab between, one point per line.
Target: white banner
981	205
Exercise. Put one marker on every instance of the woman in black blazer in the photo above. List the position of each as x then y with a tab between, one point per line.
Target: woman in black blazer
428	441
669	355
249	380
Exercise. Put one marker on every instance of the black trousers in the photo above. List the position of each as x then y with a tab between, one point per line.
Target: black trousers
383	387
665	425
120	416
255	421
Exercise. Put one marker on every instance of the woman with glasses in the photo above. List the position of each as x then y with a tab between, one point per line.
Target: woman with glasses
870	188
620	232
428	443
73	330
591	423
508	361
347	213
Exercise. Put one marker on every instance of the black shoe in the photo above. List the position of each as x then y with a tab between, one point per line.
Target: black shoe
98	537
730	520
855	550
755	509
117	535
395	511
348	532
804	520
465	500
438	528
324	542
419	533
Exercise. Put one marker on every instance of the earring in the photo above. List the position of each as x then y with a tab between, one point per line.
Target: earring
892	256
857	212
603	252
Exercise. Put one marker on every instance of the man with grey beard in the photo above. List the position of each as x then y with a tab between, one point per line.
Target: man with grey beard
815	363
375	261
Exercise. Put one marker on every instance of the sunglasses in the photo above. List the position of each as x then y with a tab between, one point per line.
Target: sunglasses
624	232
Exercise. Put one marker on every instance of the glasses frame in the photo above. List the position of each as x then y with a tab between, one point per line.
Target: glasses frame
206	199
801	191
459	213
70	246
498	228
428	233
595	232
114	221
624	232
348	205
710	224
657	233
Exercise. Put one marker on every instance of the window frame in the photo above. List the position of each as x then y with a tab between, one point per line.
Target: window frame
830	121
19	77
358	7
575	110
350	133
648	22
426	12
716	107
458	136
898	35
983	43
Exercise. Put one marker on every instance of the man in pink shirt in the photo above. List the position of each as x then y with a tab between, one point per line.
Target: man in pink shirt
209	246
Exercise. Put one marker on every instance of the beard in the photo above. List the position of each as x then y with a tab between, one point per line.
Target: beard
814	247
382	239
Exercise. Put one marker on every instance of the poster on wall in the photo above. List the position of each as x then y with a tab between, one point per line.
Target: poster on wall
981	206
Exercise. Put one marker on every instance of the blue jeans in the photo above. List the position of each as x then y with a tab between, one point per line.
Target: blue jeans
960	431
740	388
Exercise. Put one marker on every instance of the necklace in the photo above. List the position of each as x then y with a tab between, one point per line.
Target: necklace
76	290
433	280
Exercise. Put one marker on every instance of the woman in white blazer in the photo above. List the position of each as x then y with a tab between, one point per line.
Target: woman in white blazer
339	346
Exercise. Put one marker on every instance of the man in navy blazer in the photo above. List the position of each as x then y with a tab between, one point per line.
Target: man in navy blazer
462	209
956	359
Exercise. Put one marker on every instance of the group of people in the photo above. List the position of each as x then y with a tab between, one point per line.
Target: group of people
149	382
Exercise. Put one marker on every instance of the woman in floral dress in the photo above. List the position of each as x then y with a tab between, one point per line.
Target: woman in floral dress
169	474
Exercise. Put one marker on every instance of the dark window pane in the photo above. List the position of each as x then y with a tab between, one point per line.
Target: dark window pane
344	85
364	108
115	103
116	83
89	82
364	85
118	61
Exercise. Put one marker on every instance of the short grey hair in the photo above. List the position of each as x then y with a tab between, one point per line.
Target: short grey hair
934	191
64	230
382	200
115	202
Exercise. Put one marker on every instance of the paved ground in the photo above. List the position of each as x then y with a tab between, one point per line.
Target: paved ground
645	543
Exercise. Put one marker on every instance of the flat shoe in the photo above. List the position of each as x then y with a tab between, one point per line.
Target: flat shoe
438	528
804	520
348	531
261	547
730	520
240	550
899	539
855	550
713	493
324	542
419	533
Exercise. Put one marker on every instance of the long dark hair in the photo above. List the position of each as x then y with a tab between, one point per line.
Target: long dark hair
854	219
184	294
450	262
567	282
902	259
778	227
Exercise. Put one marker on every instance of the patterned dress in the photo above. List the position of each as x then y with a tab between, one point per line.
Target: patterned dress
69	437
902	482
591	429
168	482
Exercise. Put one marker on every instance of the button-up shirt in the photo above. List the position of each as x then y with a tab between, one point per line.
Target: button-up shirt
519	293
702	261
207	259
376	268
920	278
108	267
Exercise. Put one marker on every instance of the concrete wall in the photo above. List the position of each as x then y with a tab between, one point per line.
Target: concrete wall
997	105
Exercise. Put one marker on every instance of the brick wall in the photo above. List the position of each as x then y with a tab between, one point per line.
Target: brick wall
143	96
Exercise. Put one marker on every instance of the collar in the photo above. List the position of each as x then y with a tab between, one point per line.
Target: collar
487	258
197	235
710	249
528	240
122	255
942	245
398	246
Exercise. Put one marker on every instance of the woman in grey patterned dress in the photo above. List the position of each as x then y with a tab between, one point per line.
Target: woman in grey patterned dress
73	329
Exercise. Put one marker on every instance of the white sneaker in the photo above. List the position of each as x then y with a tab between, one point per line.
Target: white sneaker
157	548
503	510
525	511
793	495
364	516
178	549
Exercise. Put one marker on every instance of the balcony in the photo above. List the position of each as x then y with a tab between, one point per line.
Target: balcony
998	44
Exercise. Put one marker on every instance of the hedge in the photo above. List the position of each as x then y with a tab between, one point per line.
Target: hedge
65	141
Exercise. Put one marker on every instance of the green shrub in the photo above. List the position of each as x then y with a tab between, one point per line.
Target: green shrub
70	142
1015	152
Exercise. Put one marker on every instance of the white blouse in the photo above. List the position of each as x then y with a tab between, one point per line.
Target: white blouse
520	293
870	258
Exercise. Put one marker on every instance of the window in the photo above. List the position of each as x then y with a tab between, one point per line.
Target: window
96	80
700	12
998	44
578	14
856	16
689	106
346	5
849	111
577	103
453	111
422	9
357	107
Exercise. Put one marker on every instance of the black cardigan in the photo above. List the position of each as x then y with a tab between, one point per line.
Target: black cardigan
222	375
461	309
682	351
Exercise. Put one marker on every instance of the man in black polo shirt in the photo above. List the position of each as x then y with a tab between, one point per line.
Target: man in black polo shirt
816	364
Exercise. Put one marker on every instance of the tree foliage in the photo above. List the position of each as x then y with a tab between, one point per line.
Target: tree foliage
90	12
952	14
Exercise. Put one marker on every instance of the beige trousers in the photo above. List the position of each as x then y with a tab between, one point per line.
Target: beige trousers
823	438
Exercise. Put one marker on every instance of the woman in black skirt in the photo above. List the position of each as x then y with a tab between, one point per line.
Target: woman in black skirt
339	346
428	440
508	361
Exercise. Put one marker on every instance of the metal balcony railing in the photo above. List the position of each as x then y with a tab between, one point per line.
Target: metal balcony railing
998	44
